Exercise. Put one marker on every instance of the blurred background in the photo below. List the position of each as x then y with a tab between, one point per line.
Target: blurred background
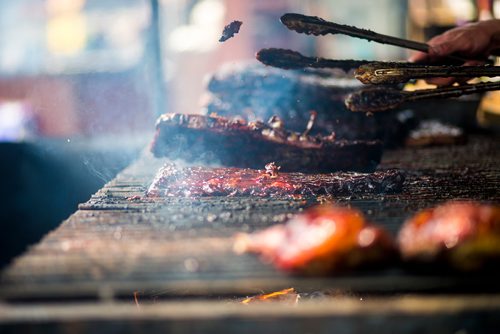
82	81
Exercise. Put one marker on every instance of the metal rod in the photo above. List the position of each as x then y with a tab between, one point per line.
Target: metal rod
156	55
289	59
375	99
394	73
452	91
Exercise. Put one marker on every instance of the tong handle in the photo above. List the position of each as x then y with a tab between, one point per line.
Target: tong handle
376	99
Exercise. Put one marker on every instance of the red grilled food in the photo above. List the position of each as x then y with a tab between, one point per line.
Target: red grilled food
323	240
172	181
235	143
461	235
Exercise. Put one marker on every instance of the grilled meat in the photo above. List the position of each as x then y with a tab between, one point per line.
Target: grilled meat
460	235
230	30
172	181
323	240
257	92
218	140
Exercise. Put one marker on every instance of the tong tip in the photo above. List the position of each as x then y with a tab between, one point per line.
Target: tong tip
282	58
310	25
290	17
374	100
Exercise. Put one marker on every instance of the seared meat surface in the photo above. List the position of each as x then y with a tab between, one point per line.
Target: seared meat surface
172	181
257	92
235	143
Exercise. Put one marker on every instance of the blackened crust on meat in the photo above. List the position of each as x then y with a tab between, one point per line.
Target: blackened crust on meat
257	92
172	181
218	140
230	30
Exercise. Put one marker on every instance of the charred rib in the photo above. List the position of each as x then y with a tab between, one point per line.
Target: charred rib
172	181
218	140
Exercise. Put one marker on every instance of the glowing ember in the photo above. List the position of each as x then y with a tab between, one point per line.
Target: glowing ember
136	298
288	296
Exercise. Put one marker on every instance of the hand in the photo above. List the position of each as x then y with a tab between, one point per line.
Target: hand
475	41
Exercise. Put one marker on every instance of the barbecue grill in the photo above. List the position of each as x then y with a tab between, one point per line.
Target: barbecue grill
169	252
128	262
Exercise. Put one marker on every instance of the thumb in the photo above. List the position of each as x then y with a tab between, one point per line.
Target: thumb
418	57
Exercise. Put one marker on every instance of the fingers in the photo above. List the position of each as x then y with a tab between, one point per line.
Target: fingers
439	47
419	57
451	81
474	63
440	82
474	41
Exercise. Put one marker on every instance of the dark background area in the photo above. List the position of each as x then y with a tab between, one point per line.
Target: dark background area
43	182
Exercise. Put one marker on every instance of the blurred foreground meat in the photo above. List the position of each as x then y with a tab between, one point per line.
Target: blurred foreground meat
218	140
258	92
172	181
460	235
323	240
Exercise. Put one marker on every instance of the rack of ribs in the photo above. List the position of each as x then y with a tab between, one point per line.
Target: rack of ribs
236	143
172	181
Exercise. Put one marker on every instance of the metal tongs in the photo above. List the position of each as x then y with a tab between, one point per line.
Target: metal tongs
373	72
313	25
375	99
370	72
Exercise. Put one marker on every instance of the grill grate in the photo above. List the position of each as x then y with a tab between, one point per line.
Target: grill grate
114	245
